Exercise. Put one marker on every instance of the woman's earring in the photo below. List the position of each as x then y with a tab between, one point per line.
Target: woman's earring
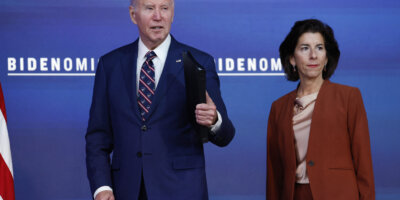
325	68
294	68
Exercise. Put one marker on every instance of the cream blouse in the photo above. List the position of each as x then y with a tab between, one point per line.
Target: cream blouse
303	110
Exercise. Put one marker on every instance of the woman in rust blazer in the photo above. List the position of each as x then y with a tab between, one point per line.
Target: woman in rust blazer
318	142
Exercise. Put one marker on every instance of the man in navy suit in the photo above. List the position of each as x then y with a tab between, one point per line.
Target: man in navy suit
139	115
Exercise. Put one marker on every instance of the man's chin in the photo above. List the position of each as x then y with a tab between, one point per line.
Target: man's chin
159	39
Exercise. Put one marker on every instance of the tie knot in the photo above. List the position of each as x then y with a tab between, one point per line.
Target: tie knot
150	55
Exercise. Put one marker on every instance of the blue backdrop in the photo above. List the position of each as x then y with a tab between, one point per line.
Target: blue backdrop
47	51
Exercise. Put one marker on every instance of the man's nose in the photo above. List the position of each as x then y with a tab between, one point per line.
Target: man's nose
157	14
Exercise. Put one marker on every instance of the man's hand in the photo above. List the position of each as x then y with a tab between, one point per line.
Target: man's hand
206	113
105	195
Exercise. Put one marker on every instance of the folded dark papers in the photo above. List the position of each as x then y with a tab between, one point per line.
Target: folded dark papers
195	80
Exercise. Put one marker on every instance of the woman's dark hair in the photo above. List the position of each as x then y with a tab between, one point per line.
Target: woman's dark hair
286	50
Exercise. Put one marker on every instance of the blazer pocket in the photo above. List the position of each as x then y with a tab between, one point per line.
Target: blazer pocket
188	162
341	168
342	163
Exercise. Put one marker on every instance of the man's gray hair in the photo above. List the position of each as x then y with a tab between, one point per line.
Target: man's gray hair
133	3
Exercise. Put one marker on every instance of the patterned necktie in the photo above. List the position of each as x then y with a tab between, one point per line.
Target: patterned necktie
146	85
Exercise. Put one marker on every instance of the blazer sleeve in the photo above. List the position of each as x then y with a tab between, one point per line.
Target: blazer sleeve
274	167
360	146
226	132
99	139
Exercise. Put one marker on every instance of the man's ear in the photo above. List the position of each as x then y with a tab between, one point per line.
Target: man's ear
173	14
132	13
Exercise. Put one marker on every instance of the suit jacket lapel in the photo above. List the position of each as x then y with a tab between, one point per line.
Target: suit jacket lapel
129	75
289	136
172	67
317	121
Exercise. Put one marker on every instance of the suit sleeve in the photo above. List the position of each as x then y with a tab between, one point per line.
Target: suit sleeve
224	135
274	168
360	146
99	140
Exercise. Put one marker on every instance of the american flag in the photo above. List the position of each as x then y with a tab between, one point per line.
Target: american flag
6	169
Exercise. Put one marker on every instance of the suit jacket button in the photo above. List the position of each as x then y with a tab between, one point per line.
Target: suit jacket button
144	128
310	163
139	154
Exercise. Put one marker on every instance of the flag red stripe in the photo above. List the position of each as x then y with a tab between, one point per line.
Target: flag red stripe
6	181
6	178
2	104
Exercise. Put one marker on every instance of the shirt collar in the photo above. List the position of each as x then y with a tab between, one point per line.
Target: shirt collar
161	51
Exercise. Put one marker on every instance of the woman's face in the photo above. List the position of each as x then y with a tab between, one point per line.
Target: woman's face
310	56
